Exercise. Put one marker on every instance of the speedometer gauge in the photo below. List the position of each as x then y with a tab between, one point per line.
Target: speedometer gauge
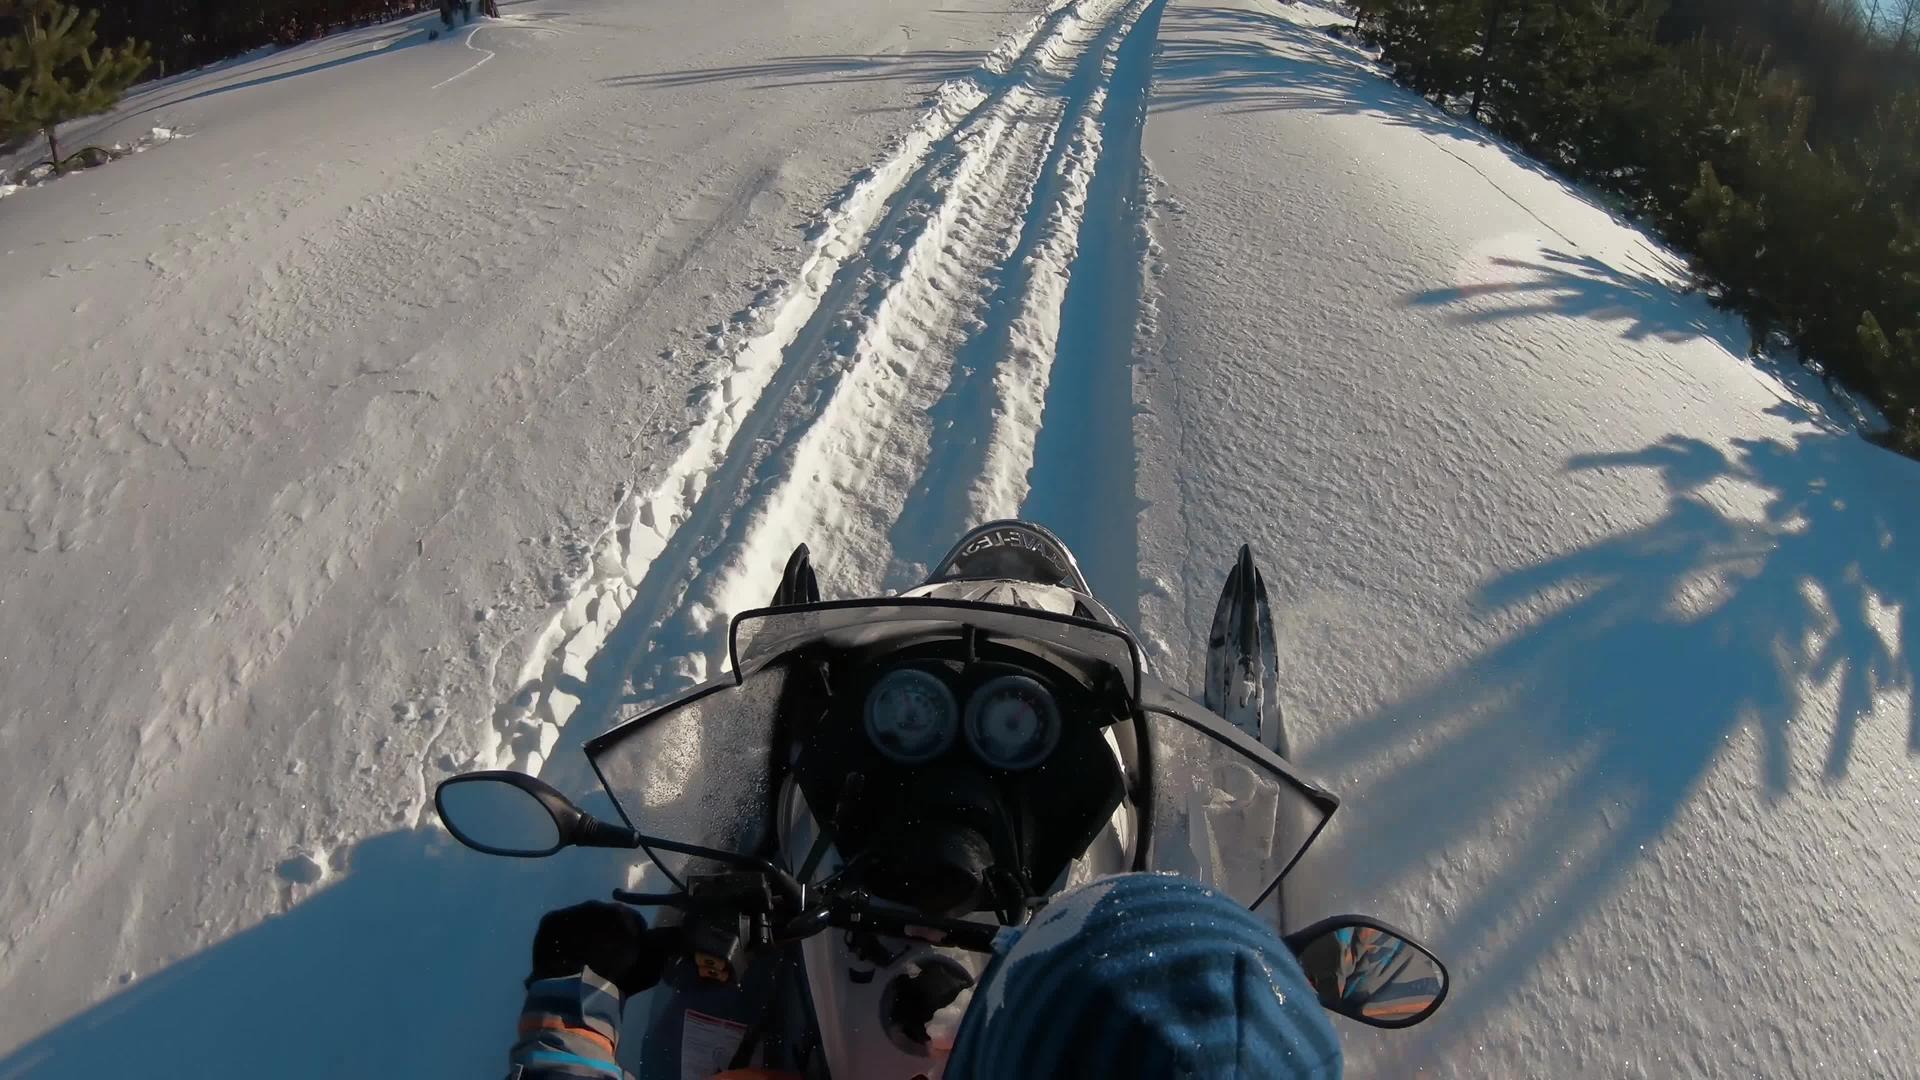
1012	722
911	716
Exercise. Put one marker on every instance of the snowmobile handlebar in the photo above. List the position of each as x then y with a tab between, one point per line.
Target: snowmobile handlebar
509	813
859	911
1361	967
777	878
734	895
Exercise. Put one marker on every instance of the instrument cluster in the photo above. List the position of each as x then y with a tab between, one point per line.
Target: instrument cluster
1009	720
956	774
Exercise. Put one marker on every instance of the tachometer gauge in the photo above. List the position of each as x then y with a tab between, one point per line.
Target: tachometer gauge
911	716
1012	722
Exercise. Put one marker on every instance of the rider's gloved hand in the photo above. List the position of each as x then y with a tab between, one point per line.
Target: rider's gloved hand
612	939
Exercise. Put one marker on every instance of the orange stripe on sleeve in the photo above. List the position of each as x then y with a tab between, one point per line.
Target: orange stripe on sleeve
532	1022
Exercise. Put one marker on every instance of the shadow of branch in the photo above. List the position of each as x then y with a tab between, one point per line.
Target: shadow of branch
1251	61
1646	654
1581	286
919	66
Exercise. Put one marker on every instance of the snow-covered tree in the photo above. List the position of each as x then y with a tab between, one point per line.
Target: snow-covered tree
51	73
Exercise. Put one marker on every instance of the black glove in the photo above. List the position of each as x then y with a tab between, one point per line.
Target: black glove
612	939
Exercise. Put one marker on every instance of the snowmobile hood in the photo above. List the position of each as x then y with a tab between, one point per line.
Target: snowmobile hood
1225	810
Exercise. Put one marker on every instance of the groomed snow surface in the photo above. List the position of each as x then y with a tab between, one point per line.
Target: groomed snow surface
436	400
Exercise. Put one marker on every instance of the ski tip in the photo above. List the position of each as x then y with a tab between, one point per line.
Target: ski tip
1232	585
798	583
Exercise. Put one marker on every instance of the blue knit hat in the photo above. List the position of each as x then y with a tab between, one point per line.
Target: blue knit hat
1144	975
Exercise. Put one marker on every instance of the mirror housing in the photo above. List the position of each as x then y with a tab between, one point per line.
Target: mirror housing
573	826
1368	971
577	828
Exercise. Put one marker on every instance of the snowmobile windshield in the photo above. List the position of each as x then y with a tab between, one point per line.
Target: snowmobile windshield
701	768
1227	812
698	769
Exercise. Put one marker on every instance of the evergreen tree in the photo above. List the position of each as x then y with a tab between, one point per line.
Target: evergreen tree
1730	235
1892	355
1433	44
1776	141
51	73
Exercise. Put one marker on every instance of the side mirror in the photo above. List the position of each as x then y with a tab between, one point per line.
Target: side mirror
1365	970
501	812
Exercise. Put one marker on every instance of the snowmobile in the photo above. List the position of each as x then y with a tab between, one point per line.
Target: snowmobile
845	821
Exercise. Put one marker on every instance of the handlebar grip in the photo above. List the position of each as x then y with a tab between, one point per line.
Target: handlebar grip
805	925
900	921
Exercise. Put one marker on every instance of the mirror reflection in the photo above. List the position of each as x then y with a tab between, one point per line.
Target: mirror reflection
498	818
1373	975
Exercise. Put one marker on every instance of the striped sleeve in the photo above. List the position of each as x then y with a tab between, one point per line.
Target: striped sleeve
569	1030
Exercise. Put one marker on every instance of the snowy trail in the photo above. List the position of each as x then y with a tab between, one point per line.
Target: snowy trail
325	426
866	392
436	402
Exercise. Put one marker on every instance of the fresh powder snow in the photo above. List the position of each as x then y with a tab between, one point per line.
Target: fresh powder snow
419	403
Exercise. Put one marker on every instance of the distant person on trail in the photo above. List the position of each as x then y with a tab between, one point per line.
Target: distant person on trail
1139	975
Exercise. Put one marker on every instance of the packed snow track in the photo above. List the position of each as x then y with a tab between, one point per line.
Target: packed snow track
892	395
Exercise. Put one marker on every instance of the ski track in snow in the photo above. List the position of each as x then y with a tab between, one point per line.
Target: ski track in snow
477	64
934	287
497	23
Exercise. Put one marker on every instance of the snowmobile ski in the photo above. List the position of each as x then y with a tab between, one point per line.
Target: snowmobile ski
1243	657
798	585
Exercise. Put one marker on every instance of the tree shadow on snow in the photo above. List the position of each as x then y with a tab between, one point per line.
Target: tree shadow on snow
401	36
1661	647
409	965
782	72
1560	283
1249	61
1238	61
